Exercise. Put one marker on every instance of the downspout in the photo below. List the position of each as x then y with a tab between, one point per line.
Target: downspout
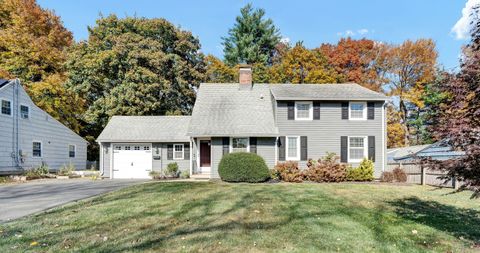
14	108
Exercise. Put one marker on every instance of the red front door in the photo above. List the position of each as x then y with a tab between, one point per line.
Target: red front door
205	153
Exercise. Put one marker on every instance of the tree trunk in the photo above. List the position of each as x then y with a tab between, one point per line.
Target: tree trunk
403	116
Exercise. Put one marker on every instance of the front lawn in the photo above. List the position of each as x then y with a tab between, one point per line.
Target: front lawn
221	217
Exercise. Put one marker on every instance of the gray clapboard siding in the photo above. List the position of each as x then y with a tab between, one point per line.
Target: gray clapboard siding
54	136
324	134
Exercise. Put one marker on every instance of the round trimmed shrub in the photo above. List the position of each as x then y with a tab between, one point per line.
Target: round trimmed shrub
243	167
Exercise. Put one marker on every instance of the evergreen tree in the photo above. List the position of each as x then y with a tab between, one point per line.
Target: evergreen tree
252	39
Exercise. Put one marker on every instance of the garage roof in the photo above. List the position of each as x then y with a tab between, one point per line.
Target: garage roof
146	129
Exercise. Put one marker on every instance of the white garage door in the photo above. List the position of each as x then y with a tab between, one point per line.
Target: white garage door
132	160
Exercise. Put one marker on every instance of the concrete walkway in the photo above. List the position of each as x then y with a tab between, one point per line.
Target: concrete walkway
18	200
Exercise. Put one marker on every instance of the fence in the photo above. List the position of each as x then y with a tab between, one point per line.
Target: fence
417	174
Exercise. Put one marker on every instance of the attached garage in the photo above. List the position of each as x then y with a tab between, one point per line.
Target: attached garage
132	160
133	146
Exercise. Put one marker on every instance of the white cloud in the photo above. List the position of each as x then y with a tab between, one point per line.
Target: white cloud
461	29
285	40
349	33
362	31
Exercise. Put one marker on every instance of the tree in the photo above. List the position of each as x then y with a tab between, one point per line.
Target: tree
32	48
135	66
219	72
459	116
395	131
301	65
252	38
408	68
355	61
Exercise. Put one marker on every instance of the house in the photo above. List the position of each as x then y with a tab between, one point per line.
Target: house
30	137
279	122
440	150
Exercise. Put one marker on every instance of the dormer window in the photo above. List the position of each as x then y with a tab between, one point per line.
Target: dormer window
303	111
358	111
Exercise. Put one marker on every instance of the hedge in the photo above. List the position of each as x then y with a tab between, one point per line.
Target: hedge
243	167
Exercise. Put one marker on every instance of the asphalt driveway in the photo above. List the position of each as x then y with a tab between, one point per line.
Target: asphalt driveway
18	200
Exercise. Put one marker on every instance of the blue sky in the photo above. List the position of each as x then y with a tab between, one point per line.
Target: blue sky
313	22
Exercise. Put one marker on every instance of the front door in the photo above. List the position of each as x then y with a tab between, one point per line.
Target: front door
205	154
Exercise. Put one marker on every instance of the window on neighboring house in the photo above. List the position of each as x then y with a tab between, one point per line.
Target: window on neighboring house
6	107
24	112
178	151
293	148
71	151
37	149
357	149
239	144
358	110
303	111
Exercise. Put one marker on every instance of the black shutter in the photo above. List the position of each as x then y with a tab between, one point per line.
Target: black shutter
281	148
303	148
291	110
344	149
226	145
344	110
253	145
170	152
186	151
371	110
316	110
371	148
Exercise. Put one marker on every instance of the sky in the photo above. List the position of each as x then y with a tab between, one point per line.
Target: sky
313	22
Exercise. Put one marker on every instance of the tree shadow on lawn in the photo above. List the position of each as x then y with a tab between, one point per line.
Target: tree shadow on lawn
459	222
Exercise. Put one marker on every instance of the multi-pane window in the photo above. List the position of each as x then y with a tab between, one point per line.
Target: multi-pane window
24	112
178	151
6	107
37	149
127	147
146	147
356	149
240	144
293	148
357	110
71	151
303	110
136	148
118	147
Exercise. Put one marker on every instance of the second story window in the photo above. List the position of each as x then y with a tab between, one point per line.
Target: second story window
358	111
303	111
24	112
6	107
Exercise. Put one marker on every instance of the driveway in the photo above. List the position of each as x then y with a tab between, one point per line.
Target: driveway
18	200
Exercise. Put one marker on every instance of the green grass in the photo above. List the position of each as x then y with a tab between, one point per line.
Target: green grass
221	217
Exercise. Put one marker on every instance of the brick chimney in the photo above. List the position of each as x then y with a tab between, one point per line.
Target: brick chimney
245	77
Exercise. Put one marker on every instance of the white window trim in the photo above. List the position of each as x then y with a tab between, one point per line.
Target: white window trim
365	149
74	150
183	151
20	111
11	107
364	110
289	158
41	149
231	143
310	111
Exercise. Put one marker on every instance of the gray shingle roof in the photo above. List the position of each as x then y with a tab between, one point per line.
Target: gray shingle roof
146	129
337	92
226	110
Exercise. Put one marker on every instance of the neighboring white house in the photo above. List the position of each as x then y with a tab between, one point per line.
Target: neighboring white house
279	122
30	137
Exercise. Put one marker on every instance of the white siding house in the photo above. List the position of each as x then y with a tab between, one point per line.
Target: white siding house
30	137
